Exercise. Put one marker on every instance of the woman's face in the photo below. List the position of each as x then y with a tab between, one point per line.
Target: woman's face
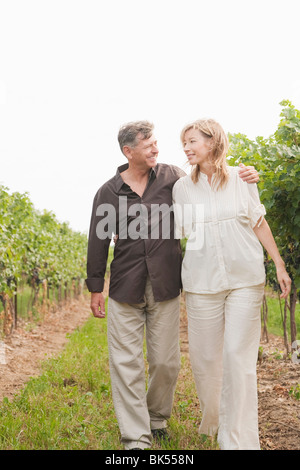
196	147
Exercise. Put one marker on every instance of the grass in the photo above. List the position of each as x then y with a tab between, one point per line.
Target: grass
69	406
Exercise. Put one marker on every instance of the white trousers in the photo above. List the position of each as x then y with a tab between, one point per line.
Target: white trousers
138	411
224	335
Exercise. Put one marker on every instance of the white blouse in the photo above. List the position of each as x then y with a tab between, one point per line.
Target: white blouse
222	251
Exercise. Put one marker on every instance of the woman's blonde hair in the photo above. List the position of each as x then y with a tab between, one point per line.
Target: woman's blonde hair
213	131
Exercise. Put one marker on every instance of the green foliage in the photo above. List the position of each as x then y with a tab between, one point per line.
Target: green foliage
277	159
36	245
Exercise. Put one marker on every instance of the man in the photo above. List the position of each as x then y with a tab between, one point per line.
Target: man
145	284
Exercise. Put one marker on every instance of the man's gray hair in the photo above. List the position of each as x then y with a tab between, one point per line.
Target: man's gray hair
128	133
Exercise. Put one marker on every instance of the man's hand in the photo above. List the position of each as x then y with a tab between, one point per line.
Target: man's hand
248	174
98	304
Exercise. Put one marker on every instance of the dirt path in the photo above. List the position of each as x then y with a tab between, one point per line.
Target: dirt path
279	412
27	347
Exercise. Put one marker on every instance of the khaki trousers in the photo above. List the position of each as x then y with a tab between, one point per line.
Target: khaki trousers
224	334
138	411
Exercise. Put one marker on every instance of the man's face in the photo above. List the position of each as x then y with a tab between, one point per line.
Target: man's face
145	153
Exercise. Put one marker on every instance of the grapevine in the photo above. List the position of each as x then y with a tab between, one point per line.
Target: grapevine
277	159
37	249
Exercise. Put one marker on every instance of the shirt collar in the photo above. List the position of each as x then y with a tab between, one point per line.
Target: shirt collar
119	179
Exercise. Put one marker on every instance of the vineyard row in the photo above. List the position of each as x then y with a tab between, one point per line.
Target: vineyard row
37	251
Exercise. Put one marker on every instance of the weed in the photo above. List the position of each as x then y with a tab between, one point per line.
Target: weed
295	392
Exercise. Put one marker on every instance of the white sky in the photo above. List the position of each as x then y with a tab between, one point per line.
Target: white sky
73	71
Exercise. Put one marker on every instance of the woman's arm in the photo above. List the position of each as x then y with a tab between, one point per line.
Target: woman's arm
264	234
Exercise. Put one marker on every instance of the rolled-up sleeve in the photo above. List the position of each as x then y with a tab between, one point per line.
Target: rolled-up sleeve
257	210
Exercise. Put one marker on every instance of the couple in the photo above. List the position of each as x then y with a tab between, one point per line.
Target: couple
223	279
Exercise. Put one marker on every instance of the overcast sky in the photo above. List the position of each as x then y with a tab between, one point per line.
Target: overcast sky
73	71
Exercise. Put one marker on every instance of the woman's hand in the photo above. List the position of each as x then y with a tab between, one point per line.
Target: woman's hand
284	281
264	234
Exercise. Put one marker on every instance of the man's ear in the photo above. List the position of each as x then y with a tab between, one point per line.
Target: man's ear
127	152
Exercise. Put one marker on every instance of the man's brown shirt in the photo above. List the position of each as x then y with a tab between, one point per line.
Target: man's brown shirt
154	253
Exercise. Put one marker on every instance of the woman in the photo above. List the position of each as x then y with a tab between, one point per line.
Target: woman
223	277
